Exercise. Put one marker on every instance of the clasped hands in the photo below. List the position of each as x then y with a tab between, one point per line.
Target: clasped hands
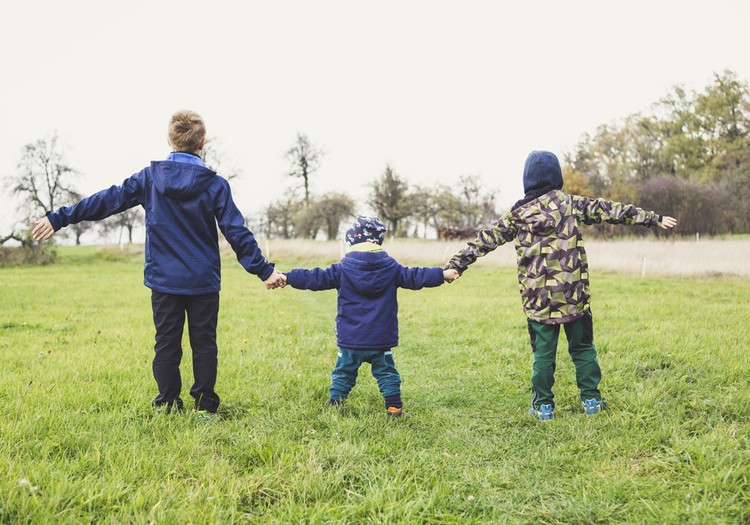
278	279
275	280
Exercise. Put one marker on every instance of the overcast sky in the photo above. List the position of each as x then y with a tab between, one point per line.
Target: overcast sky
436	89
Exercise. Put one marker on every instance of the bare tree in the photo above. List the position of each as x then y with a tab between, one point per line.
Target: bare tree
216	159
305	160
11	237
43	179
477	205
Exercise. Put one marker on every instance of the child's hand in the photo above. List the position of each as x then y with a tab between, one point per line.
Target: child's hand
450	275
667	222
43	229
276	280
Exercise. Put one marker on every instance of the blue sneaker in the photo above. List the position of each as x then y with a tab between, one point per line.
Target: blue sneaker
544	412
593	406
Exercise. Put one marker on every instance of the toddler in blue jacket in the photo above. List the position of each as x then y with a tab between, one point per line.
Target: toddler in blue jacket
367	279
184	201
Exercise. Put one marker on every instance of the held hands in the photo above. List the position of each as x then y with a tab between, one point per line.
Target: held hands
667	222
276	280
43	229
450	275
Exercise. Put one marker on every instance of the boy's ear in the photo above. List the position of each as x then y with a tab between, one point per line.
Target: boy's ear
202	144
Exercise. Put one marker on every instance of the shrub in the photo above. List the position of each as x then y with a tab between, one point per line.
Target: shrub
22	255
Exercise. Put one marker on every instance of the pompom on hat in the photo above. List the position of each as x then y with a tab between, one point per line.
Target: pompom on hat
365	229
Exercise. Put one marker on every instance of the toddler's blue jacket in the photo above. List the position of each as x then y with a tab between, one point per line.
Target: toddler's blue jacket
184	201
367	282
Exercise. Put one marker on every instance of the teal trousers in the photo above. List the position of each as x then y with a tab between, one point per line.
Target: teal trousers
344	375
580	334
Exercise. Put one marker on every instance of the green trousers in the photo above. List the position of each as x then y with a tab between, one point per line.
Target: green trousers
580	334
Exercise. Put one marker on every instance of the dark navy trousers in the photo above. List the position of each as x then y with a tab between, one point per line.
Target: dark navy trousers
169	319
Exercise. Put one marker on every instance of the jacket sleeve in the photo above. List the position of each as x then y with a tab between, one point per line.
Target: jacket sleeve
498	233
594	211
418	278
239	237
102	204
315	279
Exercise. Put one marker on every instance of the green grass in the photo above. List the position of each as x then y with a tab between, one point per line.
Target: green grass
80	443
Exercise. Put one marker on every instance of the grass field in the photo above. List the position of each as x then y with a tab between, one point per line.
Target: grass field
79	442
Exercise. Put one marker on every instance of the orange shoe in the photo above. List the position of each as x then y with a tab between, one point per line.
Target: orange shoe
394	412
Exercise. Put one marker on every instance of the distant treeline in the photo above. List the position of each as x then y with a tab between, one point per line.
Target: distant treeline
688	157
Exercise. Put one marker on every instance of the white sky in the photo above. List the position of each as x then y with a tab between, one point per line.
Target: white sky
437	89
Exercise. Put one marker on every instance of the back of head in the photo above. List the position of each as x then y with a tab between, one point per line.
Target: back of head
542	173
365	229
186	131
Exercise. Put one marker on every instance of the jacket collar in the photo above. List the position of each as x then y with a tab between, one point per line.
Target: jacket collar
186	158
365	247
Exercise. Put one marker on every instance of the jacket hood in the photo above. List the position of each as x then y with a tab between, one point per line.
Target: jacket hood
181	181
370	273
542	172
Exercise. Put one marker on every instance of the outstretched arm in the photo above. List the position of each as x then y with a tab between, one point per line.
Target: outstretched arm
98	206
314	279
595	211
417	278
501	231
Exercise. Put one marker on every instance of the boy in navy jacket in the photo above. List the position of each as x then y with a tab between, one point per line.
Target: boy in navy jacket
184	201
367	279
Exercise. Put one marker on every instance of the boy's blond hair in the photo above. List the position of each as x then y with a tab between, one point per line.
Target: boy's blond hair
186	131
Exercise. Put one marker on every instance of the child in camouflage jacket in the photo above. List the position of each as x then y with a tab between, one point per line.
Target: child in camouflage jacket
553	272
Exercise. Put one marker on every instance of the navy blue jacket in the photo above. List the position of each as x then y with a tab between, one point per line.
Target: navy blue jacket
367	317
184	201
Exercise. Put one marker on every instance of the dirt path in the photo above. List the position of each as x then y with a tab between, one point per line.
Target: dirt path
648	257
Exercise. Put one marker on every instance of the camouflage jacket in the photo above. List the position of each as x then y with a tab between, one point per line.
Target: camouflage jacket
553	273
